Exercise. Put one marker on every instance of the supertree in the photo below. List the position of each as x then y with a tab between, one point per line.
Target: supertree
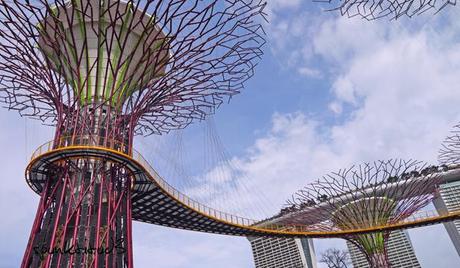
394	9
101	72
449	153
370	195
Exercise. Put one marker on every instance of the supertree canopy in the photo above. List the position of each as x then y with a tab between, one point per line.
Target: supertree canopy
372	9
101	72
449	154
152	65
366	196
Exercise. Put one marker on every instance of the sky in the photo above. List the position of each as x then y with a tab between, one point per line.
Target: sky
329	92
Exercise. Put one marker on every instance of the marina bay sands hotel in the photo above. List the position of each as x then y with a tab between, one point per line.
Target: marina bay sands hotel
300	253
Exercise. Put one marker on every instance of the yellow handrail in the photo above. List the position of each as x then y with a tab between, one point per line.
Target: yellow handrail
184	199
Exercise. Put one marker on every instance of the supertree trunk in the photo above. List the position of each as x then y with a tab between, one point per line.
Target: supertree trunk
84	215
379	260
83	218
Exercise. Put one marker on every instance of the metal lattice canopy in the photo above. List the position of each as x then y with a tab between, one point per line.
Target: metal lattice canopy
387	191
394	9
161	64
449	154
365	196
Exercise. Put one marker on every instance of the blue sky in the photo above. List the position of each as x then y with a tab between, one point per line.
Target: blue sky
330	92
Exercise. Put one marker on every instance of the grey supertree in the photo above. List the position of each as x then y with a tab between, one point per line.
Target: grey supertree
449	154
394	9
366	196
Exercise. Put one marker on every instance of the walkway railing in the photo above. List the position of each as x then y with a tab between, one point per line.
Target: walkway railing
413	220
121	149
419	217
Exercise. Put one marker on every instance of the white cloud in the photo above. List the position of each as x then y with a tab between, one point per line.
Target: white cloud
279	5
335	107
309	72
344	90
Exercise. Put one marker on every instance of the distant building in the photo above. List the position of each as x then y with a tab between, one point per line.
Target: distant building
400	252
283	252
449	200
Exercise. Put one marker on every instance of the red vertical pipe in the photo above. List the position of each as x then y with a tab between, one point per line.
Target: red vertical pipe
66	222
109	214
129	224
57	216
36	225
98	225
75	231
90	209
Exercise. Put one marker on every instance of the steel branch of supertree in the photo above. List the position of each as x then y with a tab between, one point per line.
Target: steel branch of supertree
102	72
157	64
368	195
393	9
449	154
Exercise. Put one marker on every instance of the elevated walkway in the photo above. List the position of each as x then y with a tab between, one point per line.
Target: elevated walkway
155	201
